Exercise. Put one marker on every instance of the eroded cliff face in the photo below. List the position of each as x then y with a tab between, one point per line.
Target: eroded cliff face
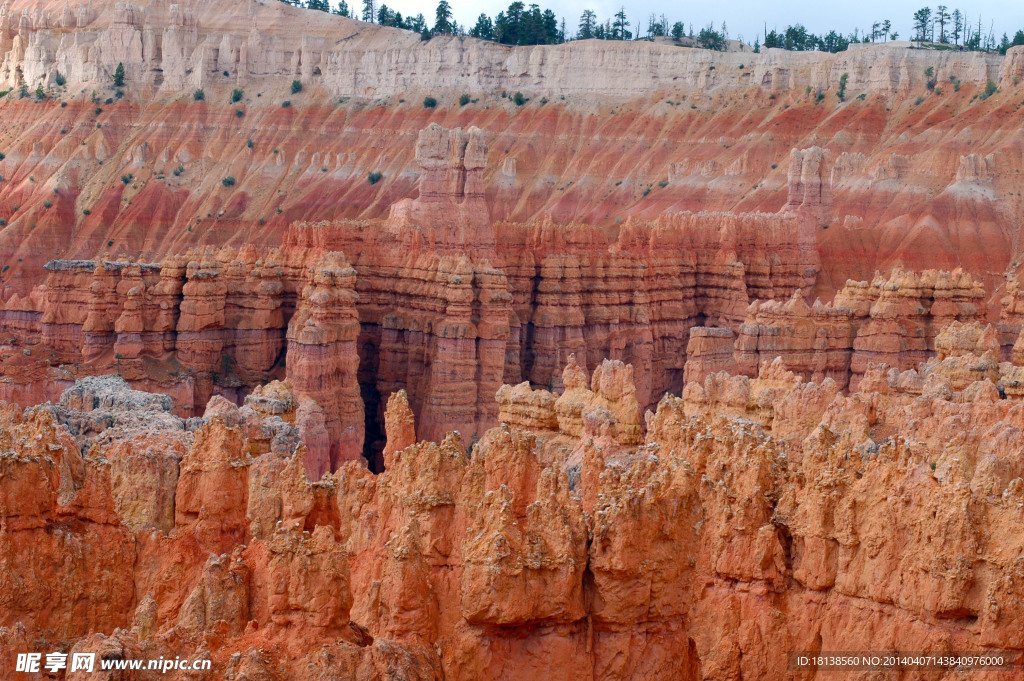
652	129
579	539
749	399
439	300
443	302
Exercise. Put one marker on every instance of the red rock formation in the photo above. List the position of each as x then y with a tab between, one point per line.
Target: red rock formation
810	186
901	329
459	567
749	517
709	351
892	320
322	361
815	341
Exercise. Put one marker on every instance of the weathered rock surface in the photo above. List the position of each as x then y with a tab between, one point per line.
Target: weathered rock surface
696	470
572	543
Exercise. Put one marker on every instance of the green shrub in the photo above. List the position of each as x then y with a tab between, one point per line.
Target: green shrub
285	104
917	102
40	94
463	100
429	102
60	79
47	204
228	181
178	171
374	177
86	212
127	178
842	87
119	75
236	95
990	89
520	99
239	113
110	100
199	95
296	86
249	143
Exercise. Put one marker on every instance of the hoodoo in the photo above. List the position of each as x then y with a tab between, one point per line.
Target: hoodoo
329	350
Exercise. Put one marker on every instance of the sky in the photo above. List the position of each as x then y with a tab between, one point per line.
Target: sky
744	18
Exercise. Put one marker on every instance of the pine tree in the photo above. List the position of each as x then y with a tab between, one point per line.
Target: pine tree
484	28
942	17
417	24
922	18
619	31
958	26
443	18
320	5
119	75
588	22
369	11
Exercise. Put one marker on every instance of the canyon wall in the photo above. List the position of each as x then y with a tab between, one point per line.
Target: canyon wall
439	301
680	362
745	519
908	169
446	303
176	46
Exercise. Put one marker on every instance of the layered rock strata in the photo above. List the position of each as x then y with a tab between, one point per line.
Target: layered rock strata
211	322
450	304
175	47
892	320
